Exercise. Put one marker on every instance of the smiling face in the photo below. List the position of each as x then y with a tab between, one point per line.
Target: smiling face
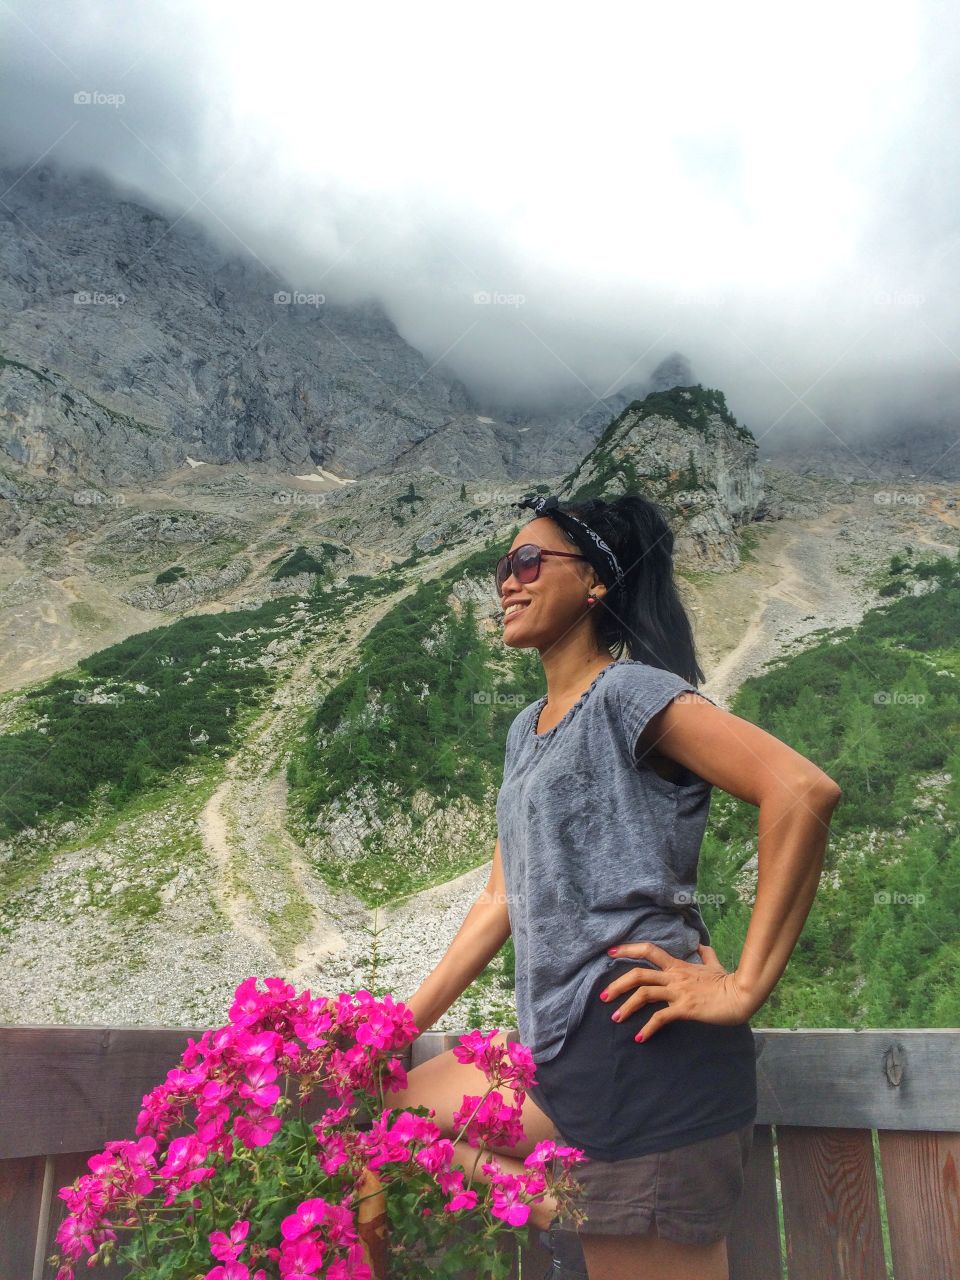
553	604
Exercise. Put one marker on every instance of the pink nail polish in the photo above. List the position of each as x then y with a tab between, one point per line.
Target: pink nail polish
639	1037
603	995
612	951
615	1017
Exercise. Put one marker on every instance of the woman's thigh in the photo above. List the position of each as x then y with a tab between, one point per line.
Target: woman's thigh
652	1257
441	1083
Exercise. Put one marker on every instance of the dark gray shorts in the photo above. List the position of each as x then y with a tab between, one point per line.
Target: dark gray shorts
688	1194
667	1125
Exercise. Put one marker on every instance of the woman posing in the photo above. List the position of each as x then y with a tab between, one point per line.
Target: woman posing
642	1043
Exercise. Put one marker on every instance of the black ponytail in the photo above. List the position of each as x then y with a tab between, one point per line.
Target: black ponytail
643	614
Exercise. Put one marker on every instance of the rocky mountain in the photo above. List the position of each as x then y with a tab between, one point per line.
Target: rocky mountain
130	343
685	449
918	453
83	564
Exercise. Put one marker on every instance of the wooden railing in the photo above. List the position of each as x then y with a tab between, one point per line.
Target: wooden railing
854	1173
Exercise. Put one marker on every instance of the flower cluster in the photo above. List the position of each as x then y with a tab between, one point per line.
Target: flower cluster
222	1134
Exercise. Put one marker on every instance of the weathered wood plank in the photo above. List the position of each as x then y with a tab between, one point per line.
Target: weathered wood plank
831	1205
534	1258
900	1079
21	1193
753	1245
76	1088
921	1185
859	1079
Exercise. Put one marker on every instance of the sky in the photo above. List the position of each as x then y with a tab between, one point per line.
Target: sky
548	200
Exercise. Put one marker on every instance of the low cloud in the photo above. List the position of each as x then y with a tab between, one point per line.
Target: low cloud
546	207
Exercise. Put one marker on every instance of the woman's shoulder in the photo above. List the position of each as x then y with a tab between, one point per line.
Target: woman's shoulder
633	676
636	690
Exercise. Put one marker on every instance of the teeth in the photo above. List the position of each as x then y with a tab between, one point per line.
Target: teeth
512	609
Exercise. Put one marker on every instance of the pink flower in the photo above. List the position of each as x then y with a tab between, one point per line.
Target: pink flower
462	1200
264	1096
259	1048
522	1070
231	1271
494	1123
301	1259
333	1115
309	1214
184	1153
438	1155
333	1153
352	1267
505	1196
229	1249
477	1048
407	1127
184	1165
394	1076
544	1152
257	1128
450	1180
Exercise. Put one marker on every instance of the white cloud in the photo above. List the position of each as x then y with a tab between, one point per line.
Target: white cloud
768	189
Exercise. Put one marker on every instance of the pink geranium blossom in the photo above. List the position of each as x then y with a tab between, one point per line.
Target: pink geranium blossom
240	1086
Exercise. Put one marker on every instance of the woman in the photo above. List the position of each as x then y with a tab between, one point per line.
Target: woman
600	817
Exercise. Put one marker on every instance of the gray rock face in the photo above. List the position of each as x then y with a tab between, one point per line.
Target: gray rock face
138	343
924	453
189	590
130	343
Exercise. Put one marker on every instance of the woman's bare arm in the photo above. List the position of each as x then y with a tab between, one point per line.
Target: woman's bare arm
796	801
485	928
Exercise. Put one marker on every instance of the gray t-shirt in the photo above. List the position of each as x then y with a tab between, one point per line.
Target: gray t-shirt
596	849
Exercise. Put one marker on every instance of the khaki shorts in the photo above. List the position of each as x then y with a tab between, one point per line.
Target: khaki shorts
688	1194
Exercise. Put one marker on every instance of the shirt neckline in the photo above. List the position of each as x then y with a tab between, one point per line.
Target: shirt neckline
538	707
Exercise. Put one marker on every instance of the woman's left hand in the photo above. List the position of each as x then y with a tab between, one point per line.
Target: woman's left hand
703	992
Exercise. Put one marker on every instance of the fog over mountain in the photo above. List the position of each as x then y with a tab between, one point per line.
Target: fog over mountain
549	216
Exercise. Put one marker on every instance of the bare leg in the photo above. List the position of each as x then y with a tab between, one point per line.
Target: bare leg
441	1083
651	1257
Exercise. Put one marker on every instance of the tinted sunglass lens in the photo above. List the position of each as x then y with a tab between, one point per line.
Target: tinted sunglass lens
524	563
527	561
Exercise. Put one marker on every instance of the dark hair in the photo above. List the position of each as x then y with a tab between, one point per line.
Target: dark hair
643	614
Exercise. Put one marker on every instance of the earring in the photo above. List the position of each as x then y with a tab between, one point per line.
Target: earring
591	599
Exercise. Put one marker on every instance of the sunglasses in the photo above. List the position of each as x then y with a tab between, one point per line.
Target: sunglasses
524	563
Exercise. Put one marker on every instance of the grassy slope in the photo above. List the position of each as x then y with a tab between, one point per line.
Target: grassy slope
878	708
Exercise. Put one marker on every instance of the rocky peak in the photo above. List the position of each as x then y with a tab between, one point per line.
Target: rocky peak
682	448
673	371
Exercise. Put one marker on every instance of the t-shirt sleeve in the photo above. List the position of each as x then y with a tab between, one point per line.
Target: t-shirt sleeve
642	691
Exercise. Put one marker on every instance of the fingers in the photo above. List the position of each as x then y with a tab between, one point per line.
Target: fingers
657	1020
646	995
646	951
710	957
633	978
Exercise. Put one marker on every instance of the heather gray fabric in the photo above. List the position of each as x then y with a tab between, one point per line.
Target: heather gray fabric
596	850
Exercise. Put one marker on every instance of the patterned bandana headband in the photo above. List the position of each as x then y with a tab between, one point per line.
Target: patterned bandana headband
605	563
